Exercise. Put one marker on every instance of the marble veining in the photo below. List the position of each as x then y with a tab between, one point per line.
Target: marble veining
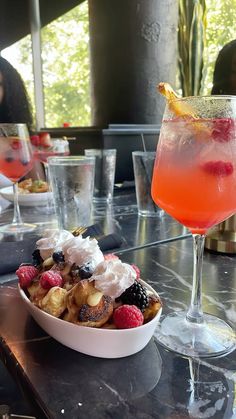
153	384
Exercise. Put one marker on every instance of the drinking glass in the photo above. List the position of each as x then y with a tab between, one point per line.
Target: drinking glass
49	148
16	160
72	180
194	180
44	147
105	167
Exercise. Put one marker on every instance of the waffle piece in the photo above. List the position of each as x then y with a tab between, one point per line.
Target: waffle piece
154	305
36	293
86	306
96	316
76	297
54	302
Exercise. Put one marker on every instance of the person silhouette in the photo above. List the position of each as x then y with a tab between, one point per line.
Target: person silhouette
224	83
224	76
15	105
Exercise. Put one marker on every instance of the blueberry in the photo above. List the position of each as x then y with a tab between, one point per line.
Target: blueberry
9	159
24	162
85	271
58	257
37	259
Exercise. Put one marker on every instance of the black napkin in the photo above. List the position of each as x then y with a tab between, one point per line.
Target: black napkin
95	230
106	242
109	242
13	253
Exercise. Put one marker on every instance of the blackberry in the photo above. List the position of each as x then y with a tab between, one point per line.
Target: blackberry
135	295
58	257
85	271
37	259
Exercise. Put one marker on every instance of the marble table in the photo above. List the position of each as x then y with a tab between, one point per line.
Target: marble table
120	217
153	384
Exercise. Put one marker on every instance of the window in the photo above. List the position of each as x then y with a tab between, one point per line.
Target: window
65	64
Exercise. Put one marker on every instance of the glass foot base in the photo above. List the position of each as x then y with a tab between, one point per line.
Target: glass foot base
212	338
17	228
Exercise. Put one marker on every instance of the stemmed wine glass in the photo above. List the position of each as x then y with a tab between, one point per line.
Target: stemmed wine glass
194	180
16	160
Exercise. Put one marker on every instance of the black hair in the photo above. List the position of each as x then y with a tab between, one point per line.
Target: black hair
15	106
223	68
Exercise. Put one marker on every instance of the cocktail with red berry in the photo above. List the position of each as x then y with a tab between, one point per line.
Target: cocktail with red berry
194	180
16	160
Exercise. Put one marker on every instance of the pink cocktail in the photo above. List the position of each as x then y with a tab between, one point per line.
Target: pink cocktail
194	180
16	160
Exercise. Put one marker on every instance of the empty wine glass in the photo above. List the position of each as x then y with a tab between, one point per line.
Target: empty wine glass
16	160
194	180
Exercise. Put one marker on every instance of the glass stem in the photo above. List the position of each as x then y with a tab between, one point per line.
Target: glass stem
195	314
46	172
16	217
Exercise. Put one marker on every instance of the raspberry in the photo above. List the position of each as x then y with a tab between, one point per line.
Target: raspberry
223	130
16	145
137	270
127	317
219	168
26	274
111	256
45	140
50	279
35	140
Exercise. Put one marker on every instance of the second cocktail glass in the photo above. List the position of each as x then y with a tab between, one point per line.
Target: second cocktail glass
16	160
194	180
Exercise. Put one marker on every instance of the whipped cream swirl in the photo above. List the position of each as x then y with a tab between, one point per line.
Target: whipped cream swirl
52	240
75	249
112	277
82	251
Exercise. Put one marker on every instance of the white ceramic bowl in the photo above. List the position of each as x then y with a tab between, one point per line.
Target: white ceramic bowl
27	200
103	343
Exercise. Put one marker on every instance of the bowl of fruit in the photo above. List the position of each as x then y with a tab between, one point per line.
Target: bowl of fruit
92	303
